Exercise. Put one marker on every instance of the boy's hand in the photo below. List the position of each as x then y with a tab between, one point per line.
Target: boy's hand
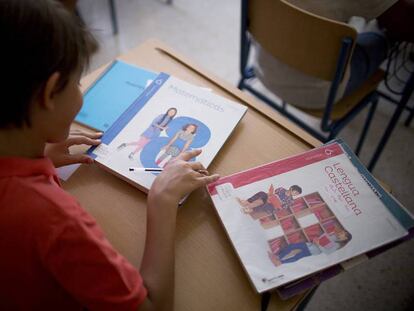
180	178
59	152
271	190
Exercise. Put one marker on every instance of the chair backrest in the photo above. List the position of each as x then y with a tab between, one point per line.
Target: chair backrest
304	41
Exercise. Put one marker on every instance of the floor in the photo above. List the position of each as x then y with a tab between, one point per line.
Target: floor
208	32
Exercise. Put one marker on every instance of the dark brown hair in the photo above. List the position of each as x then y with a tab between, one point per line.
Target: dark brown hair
38	38
166	115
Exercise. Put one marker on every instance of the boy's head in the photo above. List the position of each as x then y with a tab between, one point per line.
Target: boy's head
44	51
295	190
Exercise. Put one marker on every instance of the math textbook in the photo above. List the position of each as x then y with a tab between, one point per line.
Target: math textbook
294	217
112	93
170	117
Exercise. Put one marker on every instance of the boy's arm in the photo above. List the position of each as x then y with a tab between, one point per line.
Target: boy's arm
157	267
271	191
85	264
178	179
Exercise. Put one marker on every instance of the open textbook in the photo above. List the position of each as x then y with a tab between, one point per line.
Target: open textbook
291	218
171	116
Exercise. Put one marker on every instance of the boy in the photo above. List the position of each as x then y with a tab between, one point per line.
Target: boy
53	254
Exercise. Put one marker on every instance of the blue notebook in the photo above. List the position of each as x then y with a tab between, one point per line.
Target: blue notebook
110	95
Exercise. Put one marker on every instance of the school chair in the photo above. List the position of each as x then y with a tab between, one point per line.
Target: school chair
313	45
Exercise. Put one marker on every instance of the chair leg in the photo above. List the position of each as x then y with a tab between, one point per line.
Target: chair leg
332	135
408	91
410	118
114	20
240	86
371	112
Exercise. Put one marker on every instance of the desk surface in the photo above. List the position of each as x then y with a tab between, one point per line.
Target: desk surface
209	275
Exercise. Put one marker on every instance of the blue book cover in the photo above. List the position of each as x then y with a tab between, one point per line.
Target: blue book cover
110	95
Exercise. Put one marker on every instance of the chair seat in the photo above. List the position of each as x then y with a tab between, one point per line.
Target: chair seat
345	105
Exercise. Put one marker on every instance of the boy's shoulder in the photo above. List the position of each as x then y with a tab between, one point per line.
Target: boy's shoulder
38	198
41	187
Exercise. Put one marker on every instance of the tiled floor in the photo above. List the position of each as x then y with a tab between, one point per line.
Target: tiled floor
208	32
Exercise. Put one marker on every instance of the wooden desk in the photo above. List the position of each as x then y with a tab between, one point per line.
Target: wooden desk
209	275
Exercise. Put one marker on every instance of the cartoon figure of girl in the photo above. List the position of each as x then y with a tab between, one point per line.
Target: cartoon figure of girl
295	251
179	143
159	124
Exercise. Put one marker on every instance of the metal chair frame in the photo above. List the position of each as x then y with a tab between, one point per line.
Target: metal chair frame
404	51
331	127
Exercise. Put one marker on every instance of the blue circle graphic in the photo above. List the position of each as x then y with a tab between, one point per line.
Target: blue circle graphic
152	149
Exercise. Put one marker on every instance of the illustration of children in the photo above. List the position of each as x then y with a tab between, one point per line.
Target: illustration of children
295	251
179	143
158	125
280	198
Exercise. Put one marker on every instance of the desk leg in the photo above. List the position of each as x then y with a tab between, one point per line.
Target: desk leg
265	301
302	305
408	90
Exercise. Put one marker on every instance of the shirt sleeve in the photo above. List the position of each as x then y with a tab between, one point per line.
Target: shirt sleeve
86	265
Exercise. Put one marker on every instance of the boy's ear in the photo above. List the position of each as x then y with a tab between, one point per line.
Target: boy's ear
48	94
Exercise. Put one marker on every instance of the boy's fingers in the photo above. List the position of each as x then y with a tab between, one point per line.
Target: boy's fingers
197	166
77	158
82	140
209	179
82	158
188	155
93	135
203	172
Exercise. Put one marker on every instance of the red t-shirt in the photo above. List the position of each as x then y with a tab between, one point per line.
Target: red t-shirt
53	255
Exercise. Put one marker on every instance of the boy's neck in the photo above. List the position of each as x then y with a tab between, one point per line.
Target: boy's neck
22	142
